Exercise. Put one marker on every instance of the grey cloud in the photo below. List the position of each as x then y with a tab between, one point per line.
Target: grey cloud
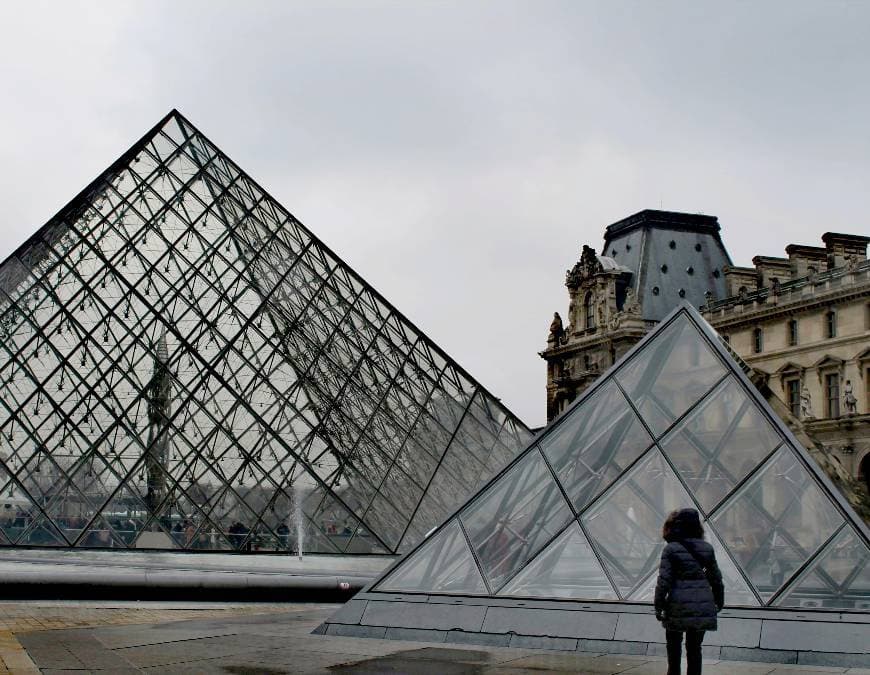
458	154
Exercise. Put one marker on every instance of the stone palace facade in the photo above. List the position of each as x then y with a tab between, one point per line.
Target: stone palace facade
801	323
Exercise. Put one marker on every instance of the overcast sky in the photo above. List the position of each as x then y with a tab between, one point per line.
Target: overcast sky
458	154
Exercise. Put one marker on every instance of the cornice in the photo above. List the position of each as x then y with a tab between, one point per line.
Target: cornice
852	422
819	345
799	306
604	338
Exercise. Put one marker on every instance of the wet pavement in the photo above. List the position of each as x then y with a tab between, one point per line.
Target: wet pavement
131	637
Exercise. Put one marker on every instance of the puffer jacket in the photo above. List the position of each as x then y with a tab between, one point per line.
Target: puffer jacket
683	594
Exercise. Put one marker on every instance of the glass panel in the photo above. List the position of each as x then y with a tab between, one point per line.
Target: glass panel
510	522
42	532
737	593
429	515
327	526
594	444
775	522
443	564
363	542
625	524
670	374
567	568
839	578
721	440
646	592
100	534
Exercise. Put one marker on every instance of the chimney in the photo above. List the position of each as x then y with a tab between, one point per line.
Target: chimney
839	247
806	259
738	277
769	268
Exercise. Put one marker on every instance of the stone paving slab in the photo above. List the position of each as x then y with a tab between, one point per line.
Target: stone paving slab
275	639
13	657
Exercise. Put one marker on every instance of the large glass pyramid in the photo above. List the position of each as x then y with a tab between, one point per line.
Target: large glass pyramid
184	365
674	424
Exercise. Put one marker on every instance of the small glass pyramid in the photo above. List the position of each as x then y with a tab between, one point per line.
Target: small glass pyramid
674	424
184	365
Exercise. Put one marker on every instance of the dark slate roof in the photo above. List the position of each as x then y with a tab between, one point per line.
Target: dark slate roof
661	247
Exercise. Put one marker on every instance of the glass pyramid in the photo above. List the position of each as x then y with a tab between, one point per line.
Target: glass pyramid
184	365
674	424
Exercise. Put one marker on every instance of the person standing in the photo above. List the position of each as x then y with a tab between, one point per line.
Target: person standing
689	591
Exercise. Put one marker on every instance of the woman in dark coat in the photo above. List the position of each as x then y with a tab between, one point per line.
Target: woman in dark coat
689	591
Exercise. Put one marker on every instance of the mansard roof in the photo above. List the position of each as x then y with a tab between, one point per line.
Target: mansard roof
673	256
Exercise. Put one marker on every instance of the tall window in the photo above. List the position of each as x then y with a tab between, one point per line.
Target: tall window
832	395
831	324
793	396
757	340
792	333
589	310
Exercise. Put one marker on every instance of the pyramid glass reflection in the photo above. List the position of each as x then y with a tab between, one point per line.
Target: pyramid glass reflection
184	365
674	424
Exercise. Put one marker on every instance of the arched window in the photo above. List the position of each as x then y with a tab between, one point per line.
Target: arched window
589	310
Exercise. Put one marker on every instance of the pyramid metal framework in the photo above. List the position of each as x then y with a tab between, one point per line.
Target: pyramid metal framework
674	424
184	365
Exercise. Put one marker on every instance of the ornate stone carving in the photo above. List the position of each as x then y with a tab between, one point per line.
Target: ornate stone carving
589	261
775	287
601	310
585	268
615	320
631	304
849	400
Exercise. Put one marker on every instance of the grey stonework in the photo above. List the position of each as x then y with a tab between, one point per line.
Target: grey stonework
769	636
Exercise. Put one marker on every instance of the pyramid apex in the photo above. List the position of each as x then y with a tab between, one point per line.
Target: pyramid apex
173	238
674	423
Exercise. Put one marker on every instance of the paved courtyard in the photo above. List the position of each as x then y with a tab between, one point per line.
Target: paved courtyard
137	637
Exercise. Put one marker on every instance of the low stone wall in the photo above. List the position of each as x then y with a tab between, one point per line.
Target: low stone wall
160	575
814	637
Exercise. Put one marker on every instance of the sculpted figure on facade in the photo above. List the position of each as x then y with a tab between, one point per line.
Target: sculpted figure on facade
849	400
557	332
631	304
615	320
806	404
589	262
775	287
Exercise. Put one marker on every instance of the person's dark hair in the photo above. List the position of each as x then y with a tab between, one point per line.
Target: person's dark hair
682	524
